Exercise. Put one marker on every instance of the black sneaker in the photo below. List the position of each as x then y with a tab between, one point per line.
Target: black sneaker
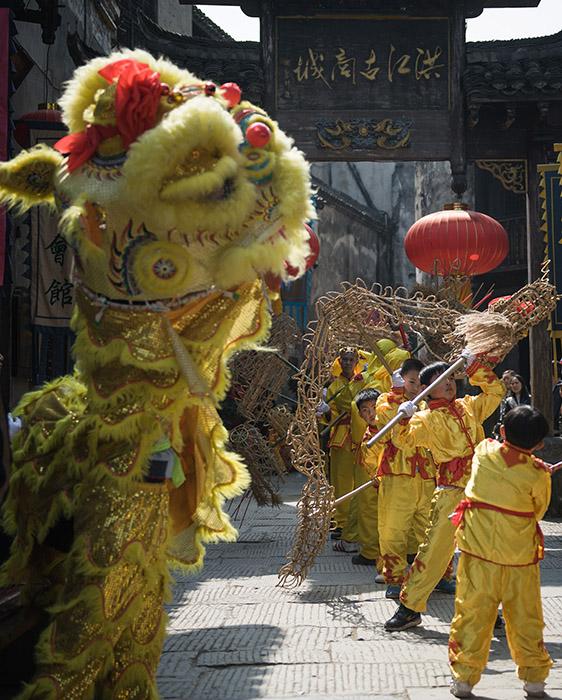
336	534
403	619
360	560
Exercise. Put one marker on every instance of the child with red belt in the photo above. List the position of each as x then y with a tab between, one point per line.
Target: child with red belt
407	479
450	429
343	467
368	499
501	545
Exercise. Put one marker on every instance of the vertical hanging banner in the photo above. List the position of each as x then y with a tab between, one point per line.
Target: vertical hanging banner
4	117
551	206
52	288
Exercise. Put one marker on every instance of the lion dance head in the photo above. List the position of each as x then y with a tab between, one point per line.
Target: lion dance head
179	200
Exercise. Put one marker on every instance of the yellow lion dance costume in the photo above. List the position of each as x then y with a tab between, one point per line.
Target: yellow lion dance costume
178	199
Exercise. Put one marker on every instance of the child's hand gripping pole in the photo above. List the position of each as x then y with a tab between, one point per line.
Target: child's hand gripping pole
458	364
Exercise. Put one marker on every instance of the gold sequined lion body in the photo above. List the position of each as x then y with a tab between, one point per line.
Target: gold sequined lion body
178	199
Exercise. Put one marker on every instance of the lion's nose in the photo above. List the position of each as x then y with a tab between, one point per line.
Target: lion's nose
206	159
202	173
193	180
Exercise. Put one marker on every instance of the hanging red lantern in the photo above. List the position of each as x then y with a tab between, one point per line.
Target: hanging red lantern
46	117
456	242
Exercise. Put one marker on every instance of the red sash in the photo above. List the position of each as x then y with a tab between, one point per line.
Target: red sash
466	504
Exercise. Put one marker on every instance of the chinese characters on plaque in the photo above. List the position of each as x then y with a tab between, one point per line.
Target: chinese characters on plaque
313	64
52	290
551	204
363	84
346	61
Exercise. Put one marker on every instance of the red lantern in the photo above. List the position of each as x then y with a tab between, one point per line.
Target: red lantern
49	118
456	242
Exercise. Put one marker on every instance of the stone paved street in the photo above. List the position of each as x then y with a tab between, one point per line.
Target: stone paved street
234	635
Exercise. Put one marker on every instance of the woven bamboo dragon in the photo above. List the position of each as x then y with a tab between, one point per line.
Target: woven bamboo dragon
345	318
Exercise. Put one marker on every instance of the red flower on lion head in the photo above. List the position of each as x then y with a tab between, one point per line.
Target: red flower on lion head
137	96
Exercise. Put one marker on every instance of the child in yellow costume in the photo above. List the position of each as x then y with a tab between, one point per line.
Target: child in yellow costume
501	545
407	479
179	199
345	471
367	501
351	378
450	429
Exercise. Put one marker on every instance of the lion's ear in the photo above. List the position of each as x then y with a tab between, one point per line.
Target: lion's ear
29	179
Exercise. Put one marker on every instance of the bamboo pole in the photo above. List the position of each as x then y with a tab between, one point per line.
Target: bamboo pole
458	364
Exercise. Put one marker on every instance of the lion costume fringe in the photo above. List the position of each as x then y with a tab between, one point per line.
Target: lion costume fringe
178	199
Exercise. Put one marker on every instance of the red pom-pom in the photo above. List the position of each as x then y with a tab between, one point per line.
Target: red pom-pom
232	93
258	135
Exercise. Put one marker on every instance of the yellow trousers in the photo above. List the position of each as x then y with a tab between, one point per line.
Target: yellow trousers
342	476
434	554
358	516
481	587
404	505
367	518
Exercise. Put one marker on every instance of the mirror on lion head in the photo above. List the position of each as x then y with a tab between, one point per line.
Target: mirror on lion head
167	185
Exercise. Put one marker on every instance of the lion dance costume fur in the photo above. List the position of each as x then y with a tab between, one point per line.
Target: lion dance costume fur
178	199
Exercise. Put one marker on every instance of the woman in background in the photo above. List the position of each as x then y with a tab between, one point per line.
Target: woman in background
517	393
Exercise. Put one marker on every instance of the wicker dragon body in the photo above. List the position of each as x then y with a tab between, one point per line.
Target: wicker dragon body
175	216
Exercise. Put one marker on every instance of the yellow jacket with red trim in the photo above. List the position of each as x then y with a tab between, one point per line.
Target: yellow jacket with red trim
340	395
450	430
369	373
508	493
410	460
368	457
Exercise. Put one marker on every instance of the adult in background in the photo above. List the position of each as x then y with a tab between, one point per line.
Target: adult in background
517	394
